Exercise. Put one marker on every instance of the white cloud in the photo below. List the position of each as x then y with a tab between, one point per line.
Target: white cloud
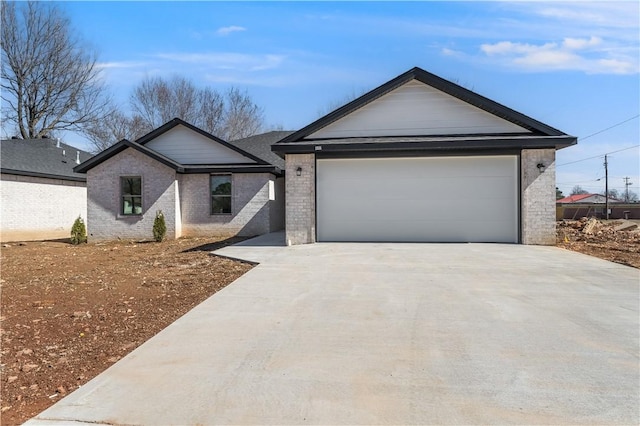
581	43
451	52
591	55
226	60
120	64
225	31
590	37
613	14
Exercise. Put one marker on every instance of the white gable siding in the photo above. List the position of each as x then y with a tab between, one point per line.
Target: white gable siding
188	147
417	109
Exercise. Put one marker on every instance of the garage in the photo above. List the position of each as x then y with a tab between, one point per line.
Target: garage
421	159
418	199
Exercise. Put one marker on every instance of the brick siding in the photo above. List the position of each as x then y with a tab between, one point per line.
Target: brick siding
538	198
184	199
250	206
35	208
300	199
104	221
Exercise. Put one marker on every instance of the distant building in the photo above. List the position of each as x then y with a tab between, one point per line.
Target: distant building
40	194
587	198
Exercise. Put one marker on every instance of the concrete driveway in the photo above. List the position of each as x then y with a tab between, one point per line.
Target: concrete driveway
388	334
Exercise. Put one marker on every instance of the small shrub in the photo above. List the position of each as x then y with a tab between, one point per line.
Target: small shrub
78	231
159	227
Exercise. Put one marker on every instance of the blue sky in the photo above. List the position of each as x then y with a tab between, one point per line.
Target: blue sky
574	66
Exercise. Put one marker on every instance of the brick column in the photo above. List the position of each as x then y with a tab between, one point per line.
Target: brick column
538	197
300	199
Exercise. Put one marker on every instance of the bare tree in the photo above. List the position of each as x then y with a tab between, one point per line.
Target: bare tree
233	116
211	112
578	190
50	80
613	193
113	128
157	100
242	117
340	102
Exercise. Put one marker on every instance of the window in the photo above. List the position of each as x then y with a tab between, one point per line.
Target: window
221	194
131	190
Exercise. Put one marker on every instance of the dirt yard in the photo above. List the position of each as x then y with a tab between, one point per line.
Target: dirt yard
69	312
601	239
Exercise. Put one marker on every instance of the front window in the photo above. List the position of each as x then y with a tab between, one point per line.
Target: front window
221	194
131	189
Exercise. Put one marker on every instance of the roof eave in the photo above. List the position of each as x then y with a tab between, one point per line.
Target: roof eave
43	175
498	143
225	168
119	147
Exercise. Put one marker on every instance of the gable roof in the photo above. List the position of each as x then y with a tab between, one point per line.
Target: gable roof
46	158
260	145
118	148
577	198
177	121
259	166
540	134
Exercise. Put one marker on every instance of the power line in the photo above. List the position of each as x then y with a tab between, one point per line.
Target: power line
609	128
598	156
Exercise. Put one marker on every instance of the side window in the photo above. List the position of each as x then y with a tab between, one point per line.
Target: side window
131	192
221	194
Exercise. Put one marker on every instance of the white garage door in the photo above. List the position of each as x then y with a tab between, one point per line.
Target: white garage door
443	199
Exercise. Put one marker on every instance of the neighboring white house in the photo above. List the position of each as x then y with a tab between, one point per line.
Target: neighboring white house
40	194
203	185
422	159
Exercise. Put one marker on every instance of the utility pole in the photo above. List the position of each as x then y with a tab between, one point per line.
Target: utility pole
606	188
627	184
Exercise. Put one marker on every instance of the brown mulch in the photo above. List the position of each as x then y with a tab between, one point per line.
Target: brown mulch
602	240
69	312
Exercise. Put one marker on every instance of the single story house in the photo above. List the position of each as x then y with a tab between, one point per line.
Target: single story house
586	198
202	184
594	205
40	194
422	159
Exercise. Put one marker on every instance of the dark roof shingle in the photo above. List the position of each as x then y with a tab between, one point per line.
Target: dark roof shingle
42	158
260	146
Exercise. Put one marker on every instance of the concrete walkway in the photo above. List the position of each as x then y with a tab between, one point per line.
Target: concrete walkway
388	334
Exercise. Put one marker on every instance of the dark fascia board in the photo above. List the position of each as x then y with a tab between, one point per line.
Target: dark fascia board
42	175
439	83
180	168
121	146
443	145
230	168
177	121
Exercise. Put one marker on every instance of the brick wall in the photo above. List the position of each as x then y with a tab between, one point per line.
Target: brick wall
538	197
34	208
250	206
300	199
159	185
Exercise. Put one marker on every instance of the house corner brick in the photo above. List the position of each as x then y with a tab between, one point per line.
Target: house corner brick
300	199
538	197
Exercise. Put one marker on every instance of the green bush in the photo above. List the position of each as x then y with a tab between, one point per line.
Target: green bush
78	231
159	227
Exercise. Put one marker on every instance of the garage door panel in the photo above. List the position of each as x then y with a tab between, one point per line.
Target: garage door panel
418	199
441	231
